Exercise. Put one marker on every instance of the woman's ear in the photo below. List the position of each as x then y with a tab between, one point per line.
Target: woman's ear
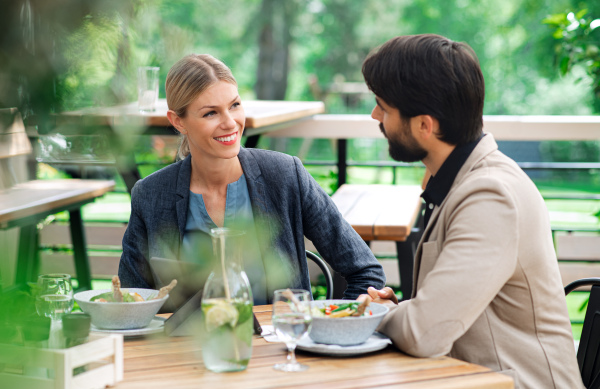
176	121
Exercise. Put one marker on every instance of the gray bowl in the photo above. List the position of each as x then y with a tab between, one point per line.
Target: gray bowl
345	331
120	316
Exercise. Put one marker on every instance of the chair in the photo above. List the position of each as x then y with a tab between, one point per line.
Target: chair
325	269
588	355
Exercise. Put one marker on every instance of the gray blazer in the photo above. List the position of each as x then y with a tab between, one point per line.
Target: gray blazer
287	203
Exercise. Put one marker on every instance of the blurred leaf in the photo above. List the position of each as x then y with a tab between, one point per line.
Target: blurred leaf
564	65
556	19
558	34
581	14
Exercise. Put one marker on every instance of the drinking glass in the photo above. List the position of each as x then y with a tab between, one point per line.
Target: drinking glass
292	319
147	88
55	296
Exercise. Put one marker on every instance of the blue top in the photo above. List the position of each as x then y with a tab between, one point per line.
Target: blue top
197	242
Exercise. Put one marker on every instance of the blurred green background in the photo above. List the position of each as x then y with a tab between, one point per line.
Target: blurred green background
539	57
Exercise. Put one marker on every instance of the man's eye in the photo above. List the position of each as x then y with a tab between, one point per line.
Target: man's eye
208	114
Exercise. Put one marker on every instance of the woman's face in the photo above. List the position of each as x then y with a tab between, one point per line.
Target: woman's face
215	122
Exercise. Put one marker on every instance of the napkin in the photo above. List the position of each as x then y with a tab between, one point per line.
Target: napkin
268	334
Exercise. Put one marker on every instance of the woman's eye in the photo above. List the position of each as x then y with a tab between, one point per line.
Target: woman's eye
208	114
236	104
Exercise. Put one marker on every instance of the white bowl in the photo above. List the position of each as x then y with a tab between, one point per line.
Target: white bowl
120	316
345	331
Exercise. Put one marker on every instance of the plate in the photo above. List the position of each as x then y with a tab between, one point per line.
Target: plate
375	342
156	325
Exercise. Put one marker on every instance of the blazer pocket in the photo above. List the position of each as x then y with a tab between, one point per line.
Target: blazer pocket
429	256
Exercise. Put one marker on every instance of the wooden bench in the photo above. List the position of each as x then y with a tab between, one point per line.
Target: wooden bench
25	204
385	212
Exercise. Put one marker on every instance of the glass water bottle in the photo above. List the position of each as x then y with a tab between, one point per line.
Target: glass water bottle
227	306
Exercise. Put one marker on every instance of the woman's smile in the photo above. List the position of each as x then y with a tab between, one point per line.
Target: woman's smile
227	140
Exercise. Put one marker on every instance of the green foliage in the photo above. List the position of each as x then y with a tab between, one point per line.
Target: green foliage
319	291
578	41
19	321
56	60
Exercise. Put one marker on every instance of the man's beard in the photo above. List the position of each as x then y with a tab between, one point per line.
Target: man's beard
409	152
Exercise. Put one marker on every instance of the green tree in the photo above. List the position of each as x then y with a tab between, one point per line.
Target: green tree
33	37
578	40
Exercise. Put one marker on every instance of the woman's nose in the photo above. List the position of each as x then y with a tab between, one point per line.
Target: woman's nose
228	121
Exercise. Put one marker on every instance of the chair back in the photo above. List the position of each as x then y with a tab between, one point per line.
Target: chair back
325	269
588	355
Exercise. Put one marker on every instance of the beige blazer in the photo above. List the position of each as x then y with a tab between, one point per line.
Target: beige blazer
486	285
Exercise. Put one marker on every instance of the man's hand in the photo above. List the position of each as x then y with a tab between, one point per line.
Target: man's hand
385	296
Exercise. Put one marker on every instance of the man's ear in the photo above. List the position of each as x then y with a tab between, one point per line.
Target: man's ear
425	126
176	121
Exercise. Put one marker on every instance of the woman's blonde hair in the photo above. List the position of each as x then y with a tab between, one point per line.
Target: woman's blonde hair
186	80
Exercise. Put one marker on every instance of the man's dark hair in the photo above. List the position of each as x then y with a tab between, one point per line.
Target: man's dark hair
430	75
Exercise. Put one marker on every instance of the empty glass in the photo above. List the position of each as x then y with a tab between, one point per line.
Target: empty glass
55	295
292	319
147	88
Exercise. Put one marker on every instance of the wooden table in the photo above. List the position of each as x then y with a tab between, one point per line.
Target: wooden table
25	204
162	362
123	123
385	212
261	115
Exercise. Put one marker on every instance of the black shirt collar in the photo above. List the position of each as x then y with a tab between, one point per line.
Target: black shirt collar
439	185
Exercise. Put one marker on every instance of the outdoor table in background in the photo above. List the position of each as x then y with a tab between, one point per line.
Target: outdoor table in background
160	362
385	212
123	123
25	204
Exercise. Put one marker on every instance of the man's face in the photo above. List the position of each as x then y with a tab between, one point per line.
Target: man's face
403	145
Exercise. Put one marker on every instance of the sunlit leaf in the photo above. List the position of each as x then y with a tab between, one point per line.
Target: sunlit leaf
558	34
556	19
581	14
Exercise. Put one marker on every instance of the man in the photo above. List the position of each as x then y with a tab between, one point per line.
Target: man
486	285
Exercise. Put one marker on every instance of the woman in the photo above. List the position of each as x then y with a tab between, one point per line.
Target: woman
218	183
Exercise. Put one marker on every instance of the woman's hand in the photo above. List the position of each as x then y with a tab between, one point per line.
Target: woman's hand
385	296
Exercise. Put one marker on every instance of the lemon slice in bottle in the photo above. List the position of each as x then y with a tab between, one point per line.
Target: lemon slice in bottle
222	312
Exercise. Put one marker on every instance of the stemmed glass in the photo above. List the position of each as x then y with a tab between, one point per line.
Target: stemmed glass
55	296
292	319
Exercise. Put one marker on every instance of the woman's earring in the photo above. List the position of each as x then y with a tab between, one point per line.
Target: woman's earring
183	131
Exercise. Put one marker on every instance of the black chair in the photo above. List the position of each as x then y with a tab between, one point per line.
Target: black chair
325	269
588	355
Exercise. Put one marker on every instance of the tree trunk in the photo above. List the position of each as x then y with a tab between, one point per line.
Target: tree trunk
276	20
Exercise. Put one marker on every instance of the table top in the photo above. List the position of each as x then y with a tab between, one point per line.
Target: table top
159	362
259	114
380	212
43	196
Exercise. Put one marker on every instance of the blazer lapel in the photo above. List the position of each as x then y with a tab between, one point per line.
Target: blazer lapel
261	206
418	255
266	222
486	146
183	192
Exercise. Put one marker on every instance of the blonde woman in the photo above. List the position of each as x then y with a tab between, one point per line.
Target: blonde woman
219	183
